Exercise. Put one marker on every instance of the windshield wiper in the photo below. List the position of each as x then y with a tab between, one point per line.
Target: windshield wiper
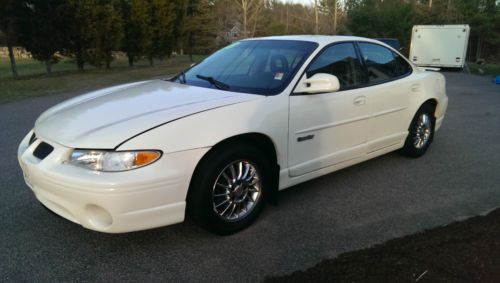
214	82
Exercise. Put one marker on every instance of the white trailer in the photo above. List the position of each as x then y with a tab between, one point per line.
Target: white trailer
439	45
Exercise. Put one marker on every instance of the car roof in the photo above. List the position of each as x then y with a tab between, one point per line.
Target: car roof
320	39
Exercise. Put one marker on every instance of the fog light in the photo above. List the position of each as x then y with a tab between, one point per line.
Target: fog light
98	216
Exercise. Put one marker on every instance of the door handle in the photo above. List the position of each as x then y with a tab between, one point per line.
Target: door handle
360	100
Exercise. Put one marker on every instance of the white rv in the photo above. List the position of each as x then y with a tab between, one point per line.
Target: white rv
439	45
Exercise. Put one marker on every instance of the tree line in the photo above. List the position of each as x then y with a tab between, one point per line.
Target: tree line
92	31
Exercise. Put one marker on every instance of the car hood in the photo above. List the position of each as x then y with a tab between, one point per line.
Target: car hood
105	118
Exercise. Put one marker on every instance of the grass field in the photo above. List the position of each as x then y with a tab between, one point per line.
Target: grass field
488	69
33	81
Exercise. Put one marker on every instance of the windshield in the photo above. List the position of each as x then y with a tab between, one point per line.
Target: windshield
253	66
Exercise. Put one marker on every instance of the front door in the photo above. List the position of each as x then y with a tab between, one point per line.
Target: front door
329	128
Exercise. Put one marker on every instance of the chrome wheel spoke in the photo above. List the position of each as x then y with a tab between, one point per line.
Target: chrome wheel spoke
222	185
251	177
240	170
232	210
226	177
225	201
221	195
247	170
227	207
233	172
253	189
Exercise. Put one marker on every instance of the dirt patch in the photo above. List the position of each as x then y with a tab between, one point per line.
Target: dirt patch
467	251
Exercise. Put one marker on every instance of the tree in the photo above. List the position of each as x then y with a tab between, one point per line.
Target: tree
200	27
377	18
250	15
333	10
78	38
155	20
131	33
105	32
44	29
11	13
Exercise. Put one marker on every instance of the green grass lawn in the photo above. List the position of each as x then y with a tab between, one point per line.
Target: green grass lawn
488	69
33	81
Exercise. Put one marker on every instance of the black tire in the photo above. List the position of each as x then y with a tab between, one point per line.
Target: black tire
411	147
200	200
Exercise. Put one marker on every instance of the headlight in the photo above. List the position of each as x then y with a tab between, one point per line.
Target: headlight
112	161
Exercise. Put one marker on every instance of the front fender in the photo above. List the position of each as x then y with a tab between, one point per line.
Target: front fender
268	116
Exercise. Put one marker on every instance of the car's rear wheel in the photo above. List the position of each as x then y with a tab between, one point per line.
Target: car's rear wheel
420	132
229	188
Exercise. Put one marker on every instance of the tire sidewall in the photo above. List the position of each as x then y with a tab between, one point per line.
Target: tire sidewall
409	148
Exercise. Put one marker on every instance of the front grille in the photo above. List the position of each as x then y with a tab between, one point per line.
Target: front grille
43	150
32	139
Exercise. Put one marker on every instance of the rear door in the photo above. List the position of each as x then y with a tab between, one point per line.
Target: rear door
388	90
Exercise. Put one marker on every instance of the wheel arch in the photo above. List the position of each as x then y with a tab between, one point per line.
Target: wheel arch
262	142
431	102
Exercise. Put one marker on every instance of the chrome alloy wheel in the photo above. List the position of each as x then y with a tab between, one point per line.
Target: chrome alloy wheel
423	131
236	191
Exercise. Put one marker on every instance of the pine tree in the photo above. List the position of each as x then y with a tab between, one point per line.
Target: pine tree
79	37
130	44
105	32
200	28
155	20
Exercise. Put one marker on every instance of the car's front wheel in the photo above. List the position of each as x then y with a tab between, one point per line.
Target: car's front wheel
420	132
229	188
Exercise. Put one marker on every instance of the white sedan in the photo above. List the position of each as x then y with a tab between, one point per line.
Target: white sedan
222	138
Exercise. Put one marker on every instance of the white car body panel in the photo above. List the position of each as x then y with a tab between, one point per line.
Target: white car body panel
333	126
185	122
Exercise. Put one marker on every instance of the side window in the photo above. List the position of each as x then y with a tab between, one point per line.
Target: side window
382	63
402	67
339	60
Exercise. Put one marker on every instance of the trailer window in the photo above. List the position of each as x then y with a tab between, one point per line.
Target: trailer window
382	64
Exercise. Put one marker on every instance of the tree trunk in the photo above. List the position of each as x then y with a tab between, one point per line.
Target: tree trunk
151	63
245	10
448	10
130	60
80	62
286	26
316	26
12	60
478	47
48	67
191	57
108	64
335	17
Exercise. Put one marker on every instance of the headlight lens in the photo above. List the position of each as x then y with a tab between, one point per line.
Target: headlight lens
113	161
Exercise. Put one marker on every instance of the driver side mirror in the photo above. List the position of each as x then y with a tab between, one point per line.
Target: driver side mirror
318	83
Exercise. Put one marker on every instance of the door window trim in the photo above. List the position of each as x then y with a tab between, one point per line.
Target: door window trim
364	74
365	69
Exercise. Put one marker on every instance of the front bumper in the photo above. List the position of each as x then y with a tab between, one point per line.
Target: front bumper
112	202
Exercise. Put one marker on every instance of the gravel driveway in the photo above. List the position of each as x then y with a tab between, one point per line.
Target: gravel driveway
357	207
